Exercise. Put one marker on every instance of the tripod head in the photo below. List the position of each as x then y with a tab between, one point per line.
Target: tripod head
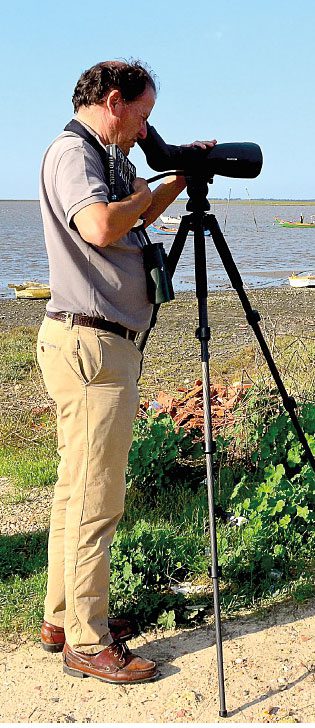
197	190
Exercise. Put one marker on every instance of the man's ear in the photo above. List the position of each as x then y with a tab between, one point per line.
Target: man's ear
114	102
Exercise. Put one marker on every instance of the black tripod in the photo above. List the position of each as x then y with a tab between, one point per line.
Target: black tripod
199	221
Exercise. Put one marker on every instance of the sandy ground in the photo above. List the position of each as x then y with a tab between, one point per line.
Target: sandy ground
269	666
269	678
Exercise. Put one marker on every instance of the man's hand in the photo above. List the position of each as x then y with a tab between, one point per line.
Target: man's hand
202	145
140	186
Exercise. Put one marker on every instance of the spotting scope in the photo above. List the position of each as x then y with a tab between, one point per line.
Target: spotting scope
232	159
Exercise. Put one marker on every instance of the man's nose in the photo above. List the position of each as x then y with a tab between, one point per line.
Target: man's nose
143	130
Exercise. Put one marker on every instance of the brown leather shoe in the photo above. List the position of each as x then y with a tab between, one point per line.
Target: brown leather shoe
115	664
53	638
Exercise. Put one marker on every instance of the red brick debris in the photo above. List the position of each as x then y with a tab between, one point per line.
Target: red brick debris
187	410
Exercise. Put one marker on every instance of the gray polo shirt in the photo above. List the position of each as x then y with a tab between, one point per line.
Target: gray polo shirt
107	282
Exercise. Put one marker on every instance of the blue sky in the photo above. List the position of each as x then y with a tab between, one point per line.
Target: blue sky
237	71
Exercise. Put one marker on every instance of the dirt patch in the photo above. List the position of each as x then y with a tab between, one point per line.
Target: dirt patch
27	517
269	678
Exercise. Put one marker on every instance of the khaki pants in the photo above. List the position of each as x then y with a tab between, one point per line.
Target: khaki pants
92	376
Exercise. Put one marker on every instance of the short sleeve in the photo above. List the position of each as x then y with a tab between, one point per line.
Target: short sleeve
80	179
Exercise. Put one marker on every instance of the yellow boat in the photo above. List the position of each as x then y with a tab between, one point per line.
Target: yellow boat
302	281
30	289
296	223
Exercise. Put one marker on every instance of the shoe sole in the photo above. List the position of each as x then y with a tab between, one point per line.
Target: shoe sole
77	673
55	647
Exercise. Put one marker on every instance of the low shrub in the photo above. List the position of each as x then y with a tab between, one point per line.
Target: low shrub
275	497
146	559
157	448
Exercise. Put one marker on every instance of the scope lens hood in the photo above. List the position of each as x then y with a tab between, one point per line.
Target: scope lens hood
235	159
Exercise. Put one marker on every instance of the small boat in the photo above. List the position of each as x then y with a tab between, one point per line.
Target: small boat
302	281
163	229
30	289
169	220
167	230
296	223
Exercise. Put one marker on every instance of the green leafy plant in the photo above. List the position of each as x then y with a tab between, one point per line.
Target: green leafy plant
144	561
156	450
276	495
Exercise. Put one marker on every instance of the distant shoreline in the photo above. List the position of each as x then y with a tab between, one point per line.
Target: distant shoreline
223	200
238	201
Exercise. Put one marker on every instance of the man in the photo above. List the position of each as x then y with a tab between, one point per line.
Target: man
90	363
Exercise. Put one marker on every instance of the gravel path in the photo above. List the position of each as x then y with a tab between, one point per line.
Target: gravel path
21	313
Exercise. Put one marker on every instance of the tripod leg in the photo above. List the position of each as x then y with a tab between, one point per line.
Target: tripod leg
203	334
196	223
253	319
209	450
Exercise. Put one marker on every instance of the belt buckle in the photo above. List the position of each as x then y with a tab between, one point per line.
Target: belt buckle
69	321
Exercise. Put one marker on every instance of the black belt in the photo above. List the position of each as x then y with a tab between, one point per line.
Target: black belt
78	319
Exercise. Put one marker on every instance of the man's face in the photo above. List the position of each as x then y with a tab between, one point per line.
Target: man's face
131	125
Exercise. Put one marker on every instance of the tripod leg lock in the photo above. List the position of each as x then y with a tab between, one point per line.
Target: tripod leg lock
289	403
203	333
253	317
210	447
215	574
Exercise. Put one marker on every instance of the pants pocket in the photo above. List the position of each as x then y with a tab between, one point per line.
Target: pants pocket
48	352
89	356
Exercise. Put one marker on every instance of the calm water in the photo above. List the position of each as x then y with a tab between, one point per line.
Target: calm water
264	254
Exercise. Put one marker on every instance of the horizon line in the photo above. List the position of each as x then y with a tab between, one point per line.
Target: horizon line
235	199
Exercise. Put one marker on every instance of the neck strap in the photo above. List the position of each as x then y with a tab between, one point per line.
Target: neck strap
77	128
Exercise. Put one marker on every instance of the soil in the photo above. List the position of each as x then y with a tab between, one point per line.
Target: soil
269	659
269	667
